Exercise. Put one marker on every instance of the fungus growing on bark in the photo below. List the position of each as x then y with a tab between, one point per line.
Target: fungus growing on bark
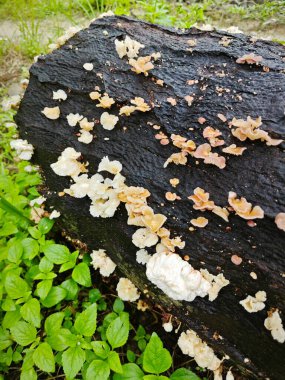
243	208
200	222
216	282
142	257
274	324
142	65
254	304
250	58
249	128
23	149
51	113
144	237
201	200
176	277
88	66
101	261
280	220
233	149
127	291
59	95
73	119
67	164
108	121
191	345
128	47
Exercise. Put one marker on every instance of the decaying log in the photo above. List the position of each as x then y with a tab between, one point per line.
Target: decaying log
222	87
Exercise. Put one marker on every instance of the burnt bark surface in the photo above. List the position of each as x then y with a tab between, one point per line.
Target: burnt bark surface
258	175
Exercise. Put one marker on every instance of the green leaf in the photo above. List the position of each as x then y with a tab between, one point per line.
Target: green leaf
55	295
98	370
72	361
45	265
8	305
43	357
184	374
115	362
101	348
23	333
5	339
118	331
86	321
45	225
8	229
31	312
10	318
71	289
15	252
43	288
118	306
81	274
31	248
131	371
28	374
15	286
34	232
57	253
131	356
156	359
53	323
155	377
62	339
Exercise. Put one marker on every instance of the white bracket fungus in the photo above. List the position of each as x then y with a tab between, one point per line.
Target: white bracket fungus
176	278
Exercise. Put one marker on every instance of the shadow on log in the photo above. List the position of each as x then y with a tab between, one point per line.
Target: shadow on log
219	86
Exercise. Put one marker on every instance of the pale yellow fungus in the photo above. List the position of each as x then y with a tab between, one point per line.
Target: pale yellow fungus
52	113
200	222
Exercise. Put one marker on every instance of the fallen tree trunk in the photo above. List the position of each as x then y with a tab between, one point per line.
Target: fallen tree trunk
218	85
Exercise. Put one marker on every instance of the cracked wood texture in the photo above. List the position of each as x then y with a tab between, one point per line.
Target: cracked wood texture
257	175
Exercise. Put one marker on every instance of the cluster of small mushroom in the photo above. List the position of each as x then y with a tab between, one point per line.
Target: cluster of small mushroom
191	345
106	195
101	261
138	104
85	135
202	202
241	206
62	39
130	48
274	324
254	304
250	58
188	147
23	149
249	129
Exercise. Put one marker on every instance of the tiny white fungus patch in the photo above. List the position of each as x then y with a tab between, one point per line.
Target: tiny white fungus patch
88	66
73	119
59	95
108	121
254	304
55	214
